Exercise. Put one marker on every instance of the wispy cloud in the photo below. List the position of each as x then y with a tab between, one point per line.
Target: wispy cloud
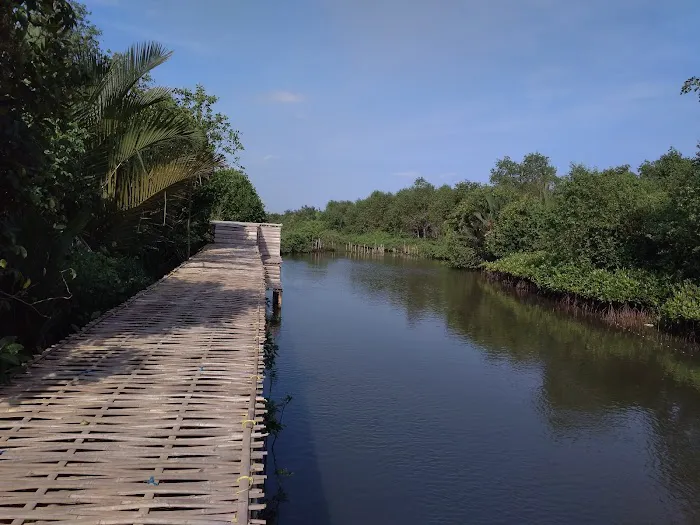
284	97
269	157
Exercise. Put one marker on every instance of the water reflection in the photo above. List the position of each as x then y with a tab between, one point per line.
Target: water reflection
593	376
427	395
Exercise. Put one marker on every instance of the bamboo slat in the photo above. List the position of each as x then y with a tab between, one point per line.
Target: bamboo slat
266	236
153	413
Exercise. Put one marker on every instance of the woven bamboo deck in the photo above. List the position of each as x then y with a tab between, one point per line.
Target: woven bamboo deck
152	414
266	236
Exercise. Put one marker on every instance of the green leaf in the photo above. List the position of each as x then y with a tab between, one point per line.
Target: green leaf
7	340
13	348
3	263
9	358
26	283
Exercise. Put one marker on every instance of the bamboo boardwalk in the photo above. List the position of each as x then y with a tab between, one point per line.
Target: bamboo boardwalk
153	414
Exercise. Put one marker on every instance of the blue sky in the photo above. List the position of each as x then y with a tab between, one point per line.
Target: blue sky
336	98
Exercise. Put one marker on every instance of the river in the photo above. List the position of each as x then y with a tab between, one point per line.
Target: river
424	395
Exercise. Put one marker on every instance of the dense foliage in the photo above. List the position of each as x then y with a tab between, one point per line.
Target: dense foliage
106	179
229	195
614	237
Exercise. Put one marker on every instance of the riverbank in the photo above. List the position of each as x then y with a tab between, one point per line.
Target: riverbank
308	240
629	298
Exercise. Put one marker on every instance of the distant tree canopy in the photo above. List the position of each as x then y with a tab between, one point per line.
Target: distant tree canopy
611	235
534	175
427	212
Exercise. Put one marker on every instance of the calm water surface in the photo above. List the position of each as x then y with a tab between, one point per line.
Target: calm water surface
426	395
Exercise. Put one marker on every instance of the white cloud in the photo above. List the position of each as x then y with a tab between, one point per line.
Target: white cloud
284	97
269	157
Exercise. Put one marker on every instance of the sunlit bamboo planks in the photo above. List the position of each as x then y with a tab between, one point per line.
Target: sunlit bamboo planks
153	414
268	238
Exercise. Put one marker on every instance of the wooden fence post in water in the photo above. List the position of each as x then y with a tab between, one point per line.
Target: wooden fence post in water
276	299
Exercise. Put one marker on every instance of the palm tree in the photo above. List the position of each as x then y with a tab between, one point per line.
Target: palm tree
140	145
478	225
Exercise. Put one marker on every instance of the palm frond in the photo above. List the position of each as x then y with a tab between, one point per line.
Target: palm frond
135	102
492	204
143	132
127	69
122	75
136	188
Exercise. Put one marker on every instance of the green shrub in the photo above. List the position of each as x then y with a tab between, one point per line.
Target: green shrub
378	238
621	285
595	215
437	249
460	254
295	242
12	354
520	227
228	195
684	303
299	236
102	282
521	264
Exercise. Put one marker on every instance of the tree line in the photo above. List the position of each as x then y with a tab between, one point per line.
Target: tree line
615	237
107	180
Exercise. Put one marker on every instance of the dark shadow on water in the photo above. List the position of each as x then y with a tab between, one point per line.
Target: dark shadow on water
294	450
